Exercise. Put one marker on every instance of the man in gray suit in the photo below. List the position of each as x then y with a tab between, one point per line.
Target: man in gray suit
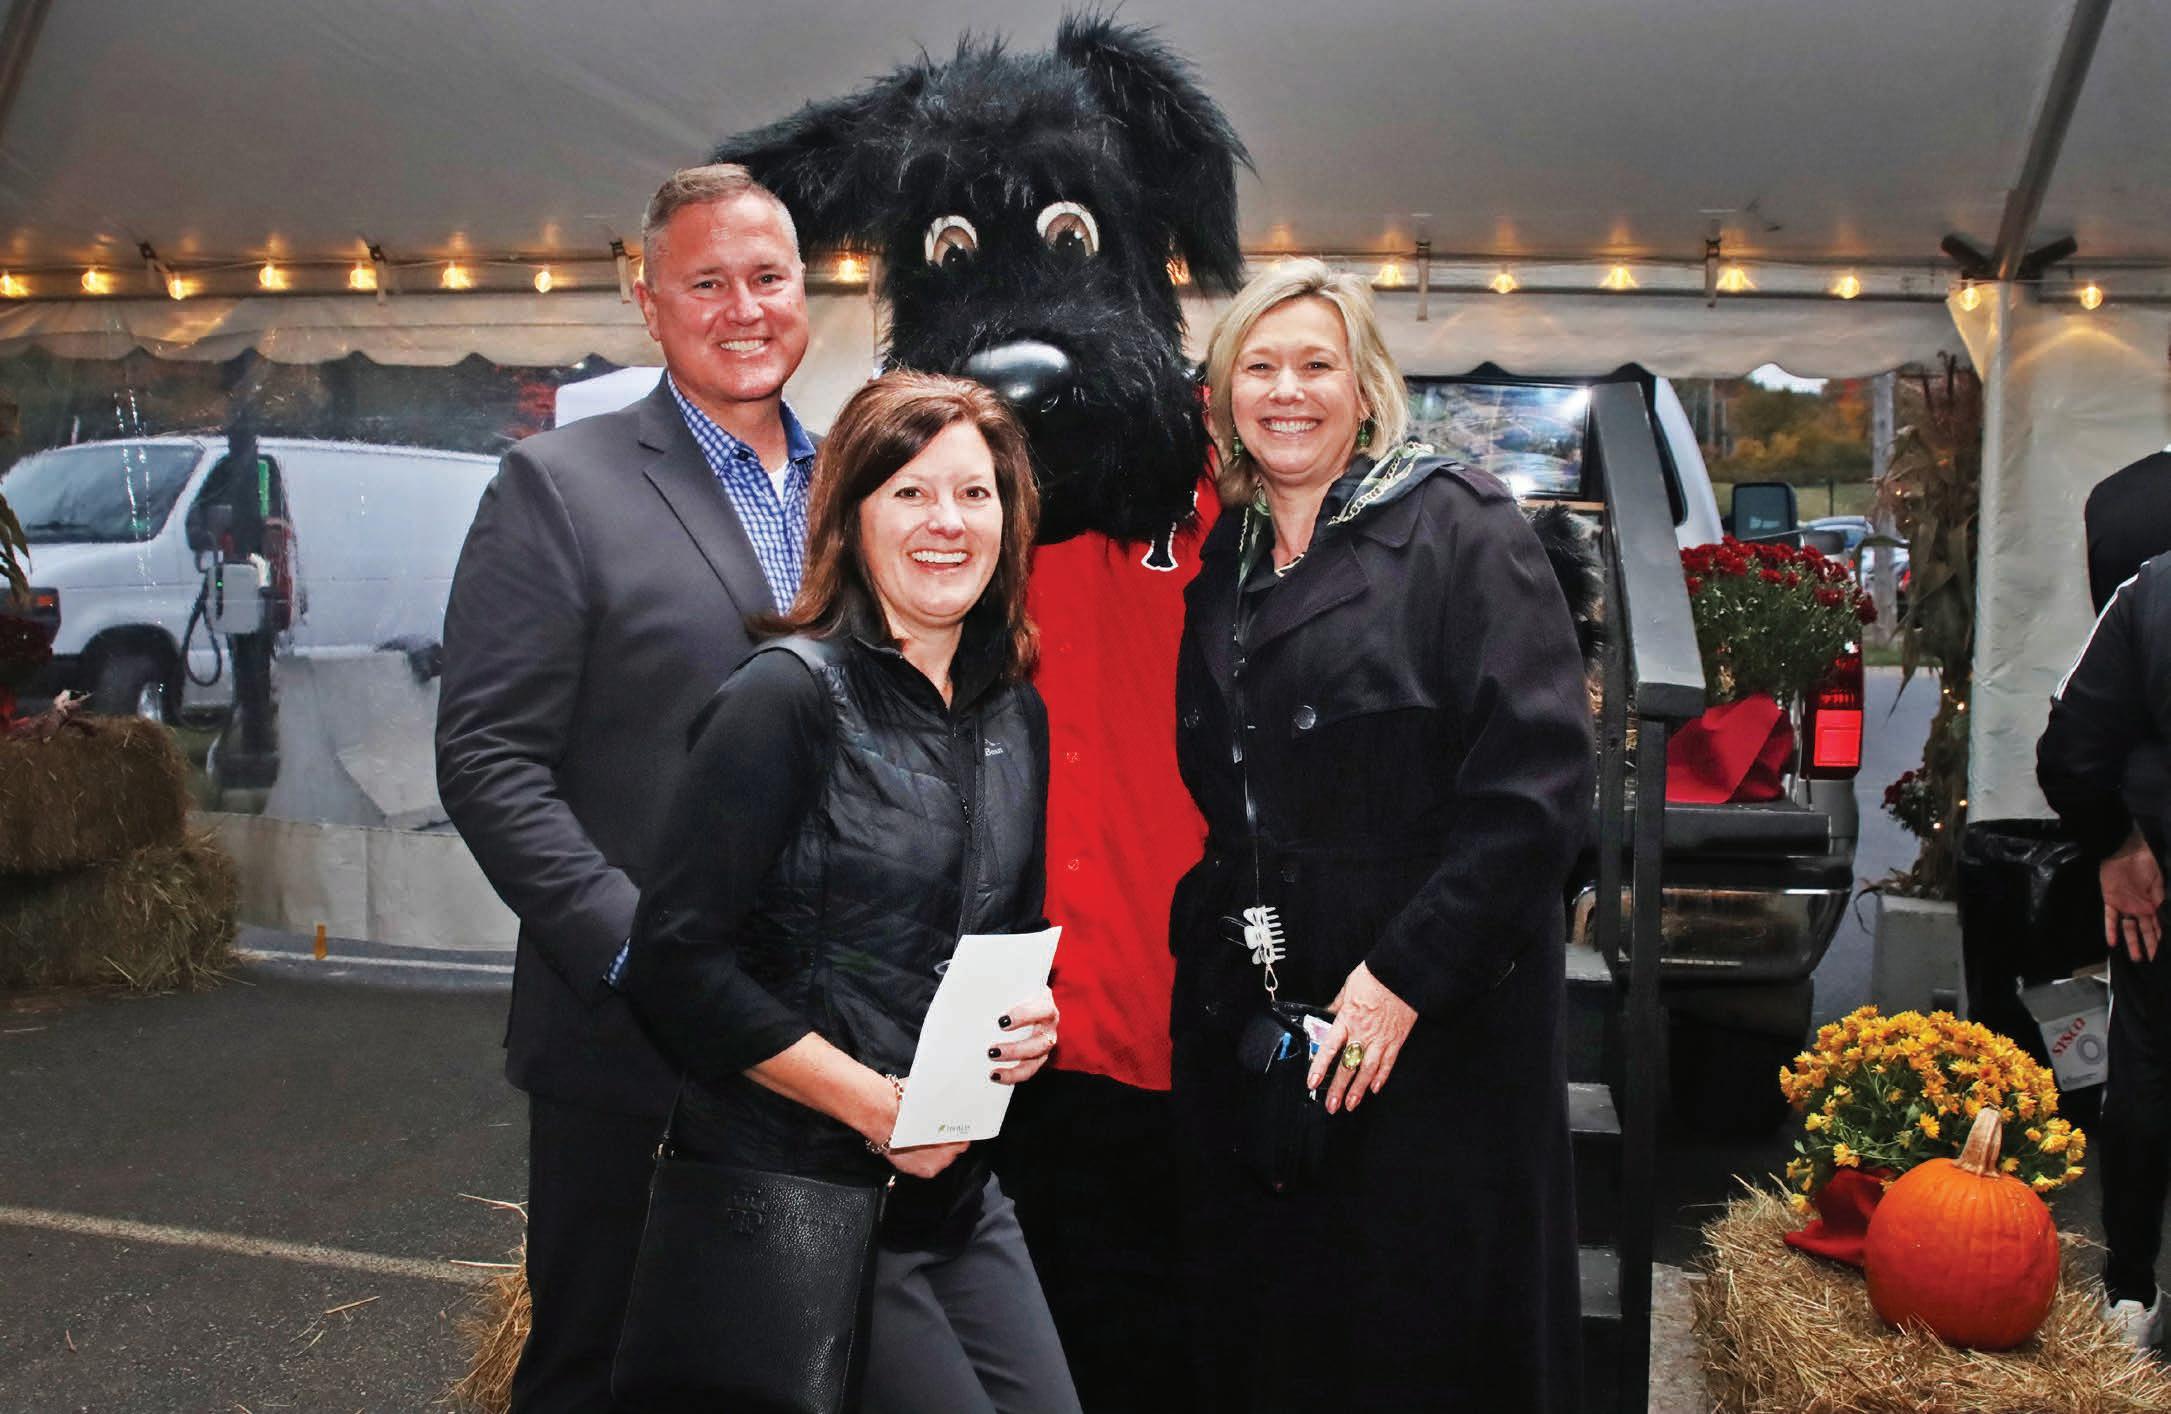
600	599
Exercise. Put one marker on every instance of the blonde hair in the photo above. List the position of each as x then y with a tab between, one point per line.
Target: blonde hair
1379	382
700	186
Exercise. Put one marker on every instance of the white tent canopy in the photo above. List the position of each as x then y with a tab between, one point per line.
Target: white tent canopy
1552	138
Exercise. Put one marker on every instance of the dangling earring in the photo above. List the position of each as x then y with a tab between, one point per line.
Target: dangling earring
1236	446
1364	434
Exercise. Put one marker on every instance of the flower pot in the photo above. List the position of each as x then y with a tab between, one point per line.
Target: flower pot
1843	1208
1915	958
1734	752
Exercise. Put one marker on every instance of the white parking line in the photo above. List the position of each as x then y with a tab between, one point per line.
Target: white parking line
234	1244
501	969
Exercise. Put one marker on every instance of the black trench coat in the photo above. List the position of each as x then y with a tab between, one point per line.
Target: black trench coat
1414	723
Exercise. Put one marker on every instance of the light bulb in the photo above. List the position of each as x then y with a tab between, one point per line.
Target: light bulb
179	288
271	277
1848	286
96	282
1620	277
1970	297
362	277
1179	273
851	270
544	280
1389	276
12	288
1505	284
456	277
1733	280
2091	296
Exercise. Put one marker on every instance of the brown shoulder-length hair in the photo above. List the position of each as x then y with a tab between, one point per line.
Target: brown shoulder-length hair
887	423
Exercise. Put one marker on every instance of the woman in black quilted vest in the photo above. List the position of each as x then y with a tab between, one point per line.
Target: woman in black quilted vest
864	790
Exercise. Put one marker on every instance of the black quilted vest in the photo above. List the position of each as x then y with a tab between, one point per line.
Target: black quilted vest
927	827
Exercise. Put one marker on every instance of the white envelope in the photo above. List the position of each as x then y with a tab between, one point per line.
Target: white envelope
948	1095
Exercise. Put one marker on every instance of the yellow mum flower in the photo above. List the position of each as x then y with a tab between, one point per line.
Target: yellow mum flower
1813	1121
1928	1125
2074	1172
1845	1157
2055	1143
1799	1202
2042	1185
2009	1164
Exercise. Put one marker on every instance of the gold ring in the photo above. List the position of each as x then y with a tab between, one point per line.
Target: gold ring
1352	1055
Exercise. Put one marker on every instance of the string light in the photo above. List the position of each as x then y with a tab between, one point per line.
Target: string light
1848	286
1734	280
96	282
1969	296
12	288
1620	277
2091	296
271	277
851	270
544	280
1389	276
1505	283
456	276
363	277
178	288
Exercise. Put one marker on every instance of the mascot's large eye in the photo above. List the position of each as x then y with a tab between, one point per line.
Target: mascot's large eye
1070	228
951	241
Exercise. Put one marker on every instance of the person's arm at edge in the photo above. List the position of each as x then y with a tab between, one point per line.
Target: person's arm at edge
1525	783
516	630
2097	719
760	751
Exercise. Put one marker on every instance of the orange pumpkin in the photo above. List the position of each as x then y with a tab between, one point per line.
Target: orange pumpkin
1965	1250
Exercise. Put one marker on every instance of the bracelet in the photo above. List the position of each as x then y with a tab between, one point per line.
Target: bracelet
882	1146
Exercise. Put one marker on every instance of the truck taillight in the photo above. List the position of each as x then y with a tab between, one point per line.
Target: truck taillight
1833	722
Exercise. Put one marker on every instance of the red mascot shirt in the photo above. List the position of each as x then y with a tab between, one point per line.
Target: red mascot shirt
1121	827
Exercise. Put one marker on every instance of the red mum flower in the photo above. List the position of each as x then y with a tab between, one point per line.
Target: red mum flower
1865	609
1695	584
1793	580
1770	576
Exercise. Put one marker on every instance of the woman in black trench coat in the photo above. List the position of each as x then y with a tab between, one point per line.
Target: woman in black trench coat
1382	717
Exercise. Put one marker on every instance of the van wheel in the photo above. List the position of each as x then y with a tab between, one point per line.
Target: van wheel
132	685
1724	1080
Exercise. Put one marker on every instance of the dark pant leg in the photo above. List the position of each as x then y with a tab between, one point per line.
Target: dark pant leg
588	1174
964	1330
2134	1134
1090	1163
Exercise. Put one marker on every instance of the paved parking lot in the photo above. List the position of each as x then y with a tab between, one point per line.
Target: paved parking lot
249	1199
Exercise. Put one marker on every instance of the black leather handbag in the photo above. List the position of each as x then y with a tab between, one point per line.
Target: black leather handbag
751	1292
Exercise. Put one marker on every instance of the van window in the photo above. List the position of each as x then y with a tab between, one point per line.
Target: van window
1530	435
115	491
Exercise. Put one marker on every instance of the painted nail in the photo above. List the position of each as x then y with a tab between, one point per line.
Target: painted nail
995	1075
995	1053
1003	1021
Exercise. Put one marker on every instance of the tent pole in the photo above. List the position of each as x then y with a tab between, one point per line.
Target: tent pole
2025	201
17	38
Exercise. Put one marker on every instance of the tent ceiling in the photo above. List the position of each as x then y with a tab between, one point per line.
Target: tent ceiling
1840	130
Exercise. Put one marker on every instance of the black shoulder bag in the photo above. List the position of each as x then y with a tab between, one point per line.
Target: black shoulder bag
751	1292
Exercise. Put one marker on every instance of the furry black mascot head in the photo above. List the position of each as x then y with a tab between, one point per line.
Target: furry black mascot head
1028	209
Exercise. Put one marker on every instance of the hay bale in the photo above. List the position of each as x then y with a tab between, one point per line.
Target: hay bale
1782	1332
496	1326
96	790
159	919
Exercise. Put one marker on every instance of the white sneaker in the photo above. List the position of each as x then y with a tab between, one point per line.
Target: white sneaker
2132	1323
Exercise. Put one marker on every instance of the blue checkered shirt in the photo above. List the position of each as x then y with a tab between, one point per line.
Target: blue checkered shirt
778	528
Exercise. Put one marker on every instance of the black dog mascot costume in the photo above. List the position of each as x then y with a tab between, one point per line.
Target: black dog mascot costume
1032	214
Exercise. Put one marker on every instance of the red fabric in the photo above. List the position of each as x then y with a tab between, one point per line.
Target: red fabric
1844	1206
1121	828
1735	752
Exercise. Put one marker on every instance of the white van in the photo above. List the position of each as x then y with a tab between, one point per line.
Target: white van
374	531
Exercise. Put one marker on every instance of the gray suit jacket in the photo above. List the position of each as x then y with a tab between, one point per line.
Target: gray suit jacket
600	599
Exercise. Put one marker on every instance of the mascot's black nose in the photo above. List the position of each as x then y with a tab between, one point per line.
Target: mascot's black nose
1027	374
